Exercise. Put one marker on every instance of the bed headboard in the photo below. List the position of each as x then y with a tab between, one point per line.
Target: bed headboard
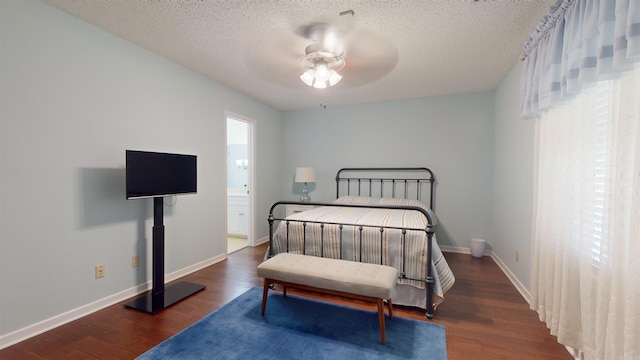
408	183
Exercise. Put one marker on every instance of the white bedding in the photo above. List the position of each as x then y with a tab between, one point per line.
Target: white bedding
409	292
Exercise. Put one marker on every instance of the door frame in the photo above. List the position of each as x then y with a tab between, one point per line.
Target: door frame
251	139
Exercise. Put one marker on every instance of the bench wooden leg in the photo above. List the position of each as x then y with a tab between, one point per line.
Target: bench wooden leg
379	302
383	340
265	290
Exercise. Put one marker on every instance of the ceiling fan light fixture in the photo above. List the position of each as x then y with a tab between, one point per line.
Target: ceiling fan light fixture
322	73
320	66
308	76
320	84
334	77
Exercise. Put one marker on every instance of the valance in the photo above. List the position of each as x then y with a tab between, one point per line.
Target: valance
576	44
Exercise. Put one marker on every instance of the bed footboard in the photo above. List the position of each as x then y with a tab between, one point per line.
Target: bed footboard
378	243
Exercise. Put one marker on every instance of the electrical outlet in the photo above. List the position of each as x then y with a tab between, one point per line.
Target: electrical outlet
135	261
99	271
517	255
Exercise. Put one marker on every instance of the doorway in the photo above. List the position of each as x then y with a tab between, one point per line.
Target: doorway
239	180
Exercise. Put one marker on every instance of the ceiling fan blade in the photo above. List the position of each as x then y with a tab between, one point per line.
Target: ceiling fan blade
357	73
368	57
330	36
282	70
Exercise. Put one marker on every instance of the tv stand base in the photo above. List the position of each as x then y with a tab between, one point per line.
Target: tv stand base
153	303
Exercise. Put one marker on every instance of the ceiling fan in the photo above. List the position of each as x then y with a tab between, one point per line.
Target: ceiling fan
323	54
363	56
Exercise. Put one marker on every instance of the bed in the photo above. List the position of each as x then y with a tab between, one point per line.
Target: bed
381	216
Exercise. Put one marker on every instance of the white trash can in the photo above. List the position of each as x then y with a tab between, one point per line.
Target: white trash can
477	247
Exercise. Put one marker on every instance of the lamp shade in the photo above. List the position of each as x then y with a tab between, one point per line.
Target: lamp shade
320	84
308	76
334	77
305	174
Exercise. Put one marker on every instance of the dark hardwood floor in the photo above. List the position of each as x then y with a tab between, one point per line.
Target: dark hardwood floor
484	315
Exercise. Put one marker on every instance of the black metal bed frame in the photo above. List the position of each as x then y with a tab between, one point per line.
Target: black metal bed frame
374	186
369	182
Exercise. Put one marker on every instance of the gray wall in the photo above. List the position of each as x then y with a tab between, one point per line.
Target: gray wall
513	179
73	99
451	135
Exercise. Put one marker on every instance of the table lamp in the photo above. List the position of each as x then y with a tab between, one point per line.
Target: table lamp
305	175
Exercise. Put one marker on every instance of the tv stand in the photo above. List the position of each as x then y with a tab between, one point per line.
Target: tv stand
161	296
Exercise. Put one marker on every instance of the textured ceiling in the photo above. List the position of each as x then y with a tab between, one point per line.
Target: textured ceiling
393	49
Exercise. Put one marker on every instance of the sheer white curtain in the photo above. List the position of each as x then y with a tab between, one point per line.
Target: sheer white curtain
580	84
586	237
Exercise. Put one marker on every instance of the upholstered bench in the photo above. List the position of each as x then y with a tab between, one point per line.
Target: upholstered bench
351	279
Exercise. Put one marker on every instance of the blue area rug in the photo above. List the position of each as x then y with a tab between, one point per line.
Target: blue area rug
300	328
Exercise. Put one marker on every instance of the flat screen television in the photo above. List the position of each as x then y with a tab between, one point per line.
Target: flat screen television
155	174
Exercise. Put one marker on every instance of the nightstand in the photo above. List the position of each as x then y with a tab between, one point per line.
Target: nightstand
291	209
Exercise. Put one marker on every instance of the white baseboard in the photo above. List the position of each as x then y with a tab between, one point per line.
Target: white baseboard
526	295
514	280
261	241
577	355
69	316
461	250
192	268
61	319
84	310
